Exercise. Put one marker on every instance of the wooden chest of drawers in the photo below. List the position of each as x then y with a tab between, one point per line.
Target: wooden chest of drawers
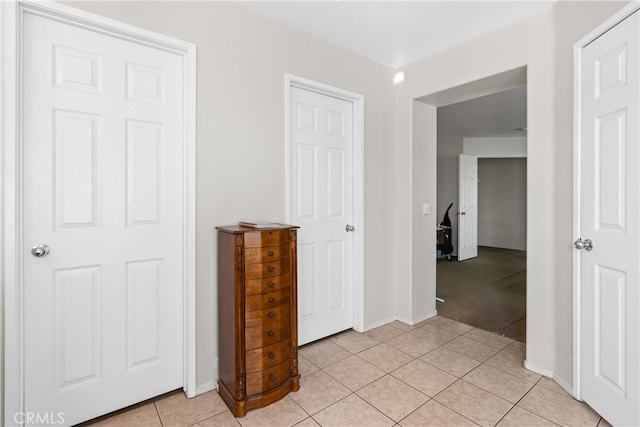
257	316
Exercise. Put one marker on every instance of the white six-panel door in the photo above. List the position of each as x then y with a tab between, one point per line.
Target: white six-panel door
103	140
609	181
321	199
468	207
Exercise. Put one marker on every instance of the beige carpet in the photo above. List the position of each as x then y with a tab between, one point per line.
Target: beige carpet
488	292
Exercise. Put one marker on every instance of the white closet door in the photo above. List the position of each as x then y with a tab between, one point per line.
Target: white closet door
610	220
103	190
321	194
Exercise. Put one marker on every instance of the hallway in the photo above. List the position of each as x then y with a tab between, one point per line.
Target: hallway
487	292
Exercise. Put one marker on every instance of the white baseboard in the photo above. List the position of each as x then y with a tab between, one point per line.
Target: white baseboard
403	320
208	386
565	385
377	324
538	370
212	384
550	374
398	318
434	313
421	319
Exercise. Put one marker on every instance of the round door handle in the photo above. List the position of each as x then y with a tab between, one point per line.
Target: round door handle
349	228
586	244
40	251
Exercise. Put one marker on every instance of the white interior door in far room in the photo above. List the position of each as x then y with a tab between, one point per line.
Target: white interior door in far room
608	223
321	137
104	190
467	207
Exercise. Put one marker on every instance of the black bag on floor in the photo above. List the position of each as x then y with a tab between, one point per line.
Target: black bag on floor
446	221
446	246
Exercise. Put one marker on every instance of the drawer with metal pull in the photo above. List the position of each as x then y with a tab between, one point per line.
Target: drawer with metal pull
263	358
266	254
261	381
266	269
258	239
267	284
271	299
258	317
266	334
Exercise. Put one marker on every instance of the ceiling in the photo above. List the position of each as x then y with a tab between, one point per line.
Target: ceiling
397	33
502	114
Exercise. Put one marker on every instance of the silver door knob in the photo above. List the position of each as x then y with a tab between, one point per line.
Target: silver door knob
40	251
585	244
349	228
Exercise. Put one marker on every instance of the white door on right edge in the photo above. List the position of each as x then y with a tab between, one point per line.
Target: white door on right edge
468	207
610	218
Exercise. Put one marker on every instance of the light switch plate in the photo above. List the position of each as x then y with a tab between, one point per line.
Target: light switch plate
426	208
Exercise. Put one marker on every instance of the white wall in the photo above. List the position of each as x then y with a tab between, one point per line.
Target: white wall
542	43
495	147
502	203
423	302
242	59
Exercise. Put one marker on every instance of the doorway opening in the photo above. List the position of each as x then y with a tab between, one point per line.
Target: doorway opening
485	120
487	291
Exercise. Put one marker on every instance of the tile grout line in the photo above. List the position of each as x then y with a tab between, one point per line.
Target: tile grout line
414	358
158	412
352	393
303	410
513	405
419	391
520	407
452	409
480	363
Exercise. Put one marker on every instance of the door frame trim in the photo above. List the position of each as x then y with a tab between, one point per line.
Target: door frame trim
357	100
12	104
614	20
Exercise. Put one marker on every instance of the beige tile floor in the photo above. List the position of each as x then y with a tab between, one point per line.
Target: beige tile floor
437	373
